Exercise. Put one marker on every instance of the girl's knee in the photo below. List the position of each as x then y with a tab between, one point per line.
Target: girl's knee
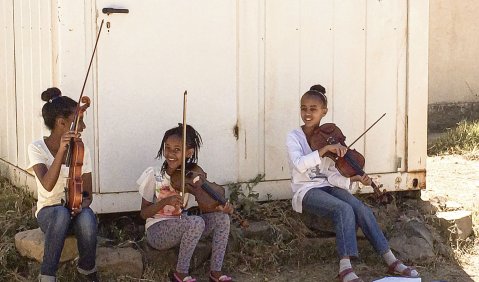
343	210
61	216
196	223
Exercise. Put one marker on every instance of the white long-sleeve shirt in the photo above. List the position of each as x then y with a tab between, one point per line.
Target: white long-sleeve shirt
309	170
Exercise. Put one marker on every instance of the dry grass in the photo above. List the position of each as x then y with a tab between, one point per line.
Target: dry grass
461	140
15	216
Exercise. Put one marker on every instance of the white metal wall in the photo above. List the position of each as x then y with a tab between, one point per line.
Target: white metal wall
27	72
8	137
245	64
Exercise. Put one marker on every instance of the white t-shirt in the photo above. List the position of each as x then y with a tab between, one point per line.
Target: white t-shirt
309	170
155	186
38	153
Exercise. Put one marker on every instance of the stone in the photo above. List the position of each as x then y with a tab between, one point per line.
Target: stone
325	225
119	261
457	223
259	230
452	206
30	243
418	229
167	258
411	248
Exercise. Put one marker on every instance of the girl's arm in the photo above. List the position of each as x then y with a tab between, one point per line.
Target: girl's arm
149	209
49	177
300	161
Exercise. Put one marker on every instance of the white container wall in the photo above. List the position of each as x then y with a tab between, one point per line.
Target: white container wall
245	64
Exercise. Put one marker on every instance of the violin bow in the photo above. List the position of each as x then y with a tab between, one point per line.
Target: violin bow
366	131
74	126
183	158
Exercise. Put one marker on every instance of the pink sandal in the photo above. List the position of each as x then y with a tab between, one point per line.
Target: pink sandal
345	272
222	278
405	273
175	278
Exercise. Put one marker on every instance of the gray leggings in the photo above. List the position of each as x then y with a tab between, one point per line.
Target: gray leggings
186	232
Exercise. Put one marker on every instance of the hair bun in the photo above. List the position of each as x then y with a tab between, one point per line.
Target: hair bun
51	93
319	88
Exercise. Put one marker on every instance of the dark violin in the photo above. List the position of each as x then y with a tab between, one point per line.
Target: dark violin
352	163
75	161
209	195
76	149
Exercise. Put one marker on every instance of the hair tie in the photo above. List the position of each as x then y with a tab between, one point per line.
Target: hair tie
53	98
324	95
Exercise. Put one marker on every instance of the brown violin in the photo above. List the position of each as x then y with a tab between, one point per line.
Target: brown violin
352	163
76	150
74	161
209	195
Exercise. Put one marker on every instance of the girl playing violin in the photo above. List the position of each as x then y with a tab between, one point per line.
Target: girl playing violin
320	189
161	207
47	161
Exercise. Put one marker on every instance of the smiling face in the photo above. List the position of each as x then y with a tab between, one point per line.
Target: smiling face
173	152
312	110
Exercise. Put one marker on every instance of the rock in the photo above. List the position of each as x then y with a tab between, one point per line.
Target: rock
411	248
452	206
317	223
259	230
30	243
120	261
167	258
325	225
457	223
418	229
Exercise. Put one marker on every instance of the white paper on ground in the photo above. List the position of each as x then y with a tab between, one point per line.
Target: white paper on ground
398	279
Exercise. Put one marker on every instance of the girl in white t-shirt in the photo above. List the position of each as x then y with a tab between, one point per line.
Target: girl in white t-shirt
161	207
320	189
47	162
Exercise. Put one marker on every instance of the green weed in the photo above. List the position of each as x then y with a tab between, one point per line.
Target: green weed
462	140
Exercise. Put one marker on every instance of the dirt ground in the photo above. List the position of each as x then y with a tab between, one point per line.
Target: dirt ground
452	177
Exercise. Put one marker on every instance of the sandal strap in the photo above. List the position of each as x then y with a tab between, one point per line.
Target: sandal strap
186	279
345	272
222	278
407	272
392	266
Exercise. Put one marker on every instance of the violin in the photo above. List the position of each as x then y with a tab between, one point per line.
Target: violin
209	195
74	161
76	149
352	163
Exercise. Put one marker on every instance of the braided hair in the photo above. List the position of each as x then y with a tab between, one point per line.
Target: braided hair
193	141
56	106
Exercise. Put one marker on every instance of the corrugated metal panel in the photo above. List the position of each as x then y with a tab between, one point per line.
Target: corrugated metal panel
33	64
357	50
8	136
145	61
417	85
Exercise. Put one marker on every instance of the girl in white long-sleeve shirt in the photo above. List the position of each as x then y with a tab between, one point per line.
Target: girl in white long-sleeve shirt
320	189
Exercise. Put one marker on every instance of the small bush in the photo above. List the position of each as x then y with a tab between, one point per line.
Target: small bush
461	140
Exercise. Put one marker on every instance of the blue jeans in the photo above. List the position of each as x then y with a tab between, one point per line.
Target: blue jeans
56	223
346	212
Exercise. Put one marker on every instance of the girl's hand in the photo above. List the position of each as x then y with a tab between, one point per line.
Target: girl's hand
365	179
65	140
74	212
227	208
337	149
174	200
